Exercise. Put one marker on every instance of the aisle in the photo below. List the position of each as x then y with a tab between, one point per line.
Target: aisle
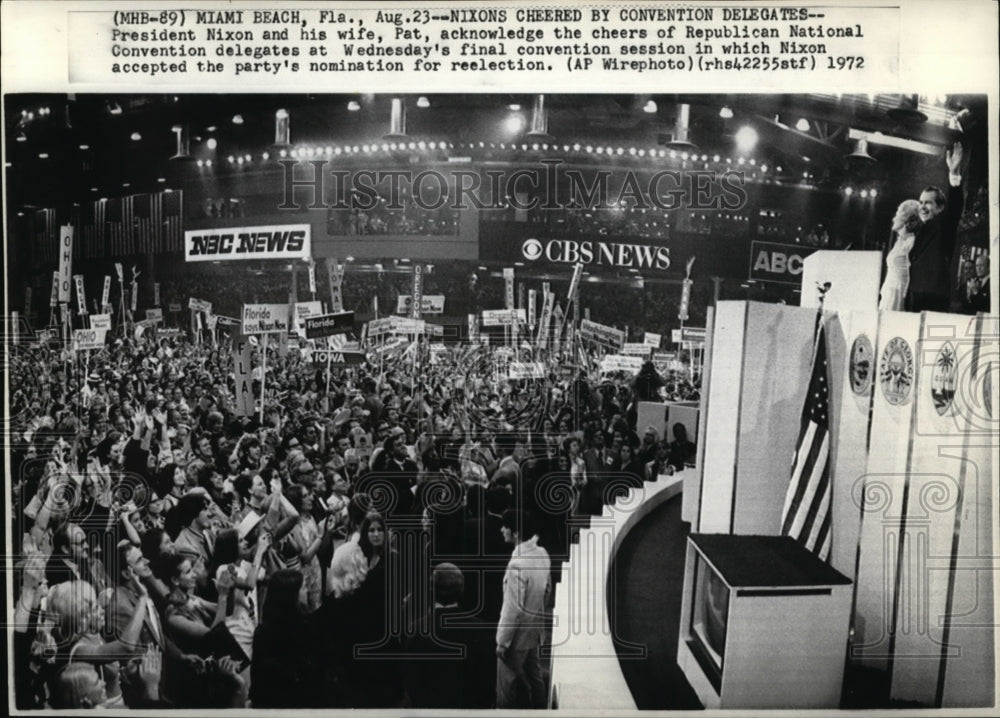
649	569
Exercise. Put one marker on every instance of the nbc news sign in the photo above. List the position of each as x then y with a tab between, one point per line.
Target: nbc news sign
282	241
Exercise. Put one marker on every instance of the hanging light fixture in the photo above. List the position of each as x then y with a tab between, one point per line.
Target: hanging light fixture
681	130
397	120
906	113
539	119
282	128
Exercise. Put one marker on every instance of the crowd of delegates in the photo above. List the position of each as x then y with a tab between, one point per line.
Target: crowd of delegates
174	553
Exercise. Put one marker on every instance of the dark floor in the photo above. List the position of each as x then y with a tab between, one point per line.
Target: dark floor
645	609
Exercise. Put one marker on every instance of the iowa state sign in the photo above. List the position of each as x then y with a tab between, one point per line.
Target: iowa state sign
281	241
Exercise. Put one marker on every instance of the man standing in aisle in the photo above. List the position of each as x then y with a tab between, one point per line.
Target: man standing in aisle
522	618
930	258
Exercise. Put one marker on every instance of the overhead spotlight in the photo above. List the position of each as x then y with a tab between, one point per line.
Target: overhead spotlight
265	156
136	137
211	128
802	125
864	193
201	163
848	190
208	163
114	108
211	143
43	155
726	112
353	106
21	137
649	107
237	119
514	107
873	193
423	102
282	128
514	124
681	129
84	147
247	157
746	138
161	179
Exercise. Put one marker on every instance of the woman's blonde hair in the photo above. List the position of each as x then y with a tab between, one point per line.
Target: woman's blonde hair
348	569
909	210
71	604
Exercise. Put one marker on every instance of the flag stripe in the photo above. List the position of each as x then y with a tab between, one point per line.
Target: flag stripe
806	513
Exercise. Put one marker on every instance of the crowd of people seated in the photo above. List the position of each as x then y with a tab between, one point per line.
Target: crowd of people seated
174	553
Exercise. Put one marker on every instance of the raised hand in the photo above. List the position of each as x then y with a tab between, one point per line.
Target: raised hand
954	158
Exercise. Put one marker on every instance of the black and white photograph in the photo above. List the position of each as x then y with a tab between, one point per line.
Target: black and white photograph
497	400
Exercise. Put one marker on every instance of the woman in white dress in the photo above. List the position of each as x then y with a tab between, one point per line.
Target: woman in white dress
897	279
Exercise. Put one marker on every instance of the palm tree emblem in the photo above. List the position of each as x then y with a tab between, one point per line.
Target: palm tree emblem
943	379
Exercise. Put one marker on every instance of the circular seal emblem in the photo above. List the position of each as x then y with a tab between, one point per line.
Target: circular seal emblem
896	371
862	358
532	249
943	378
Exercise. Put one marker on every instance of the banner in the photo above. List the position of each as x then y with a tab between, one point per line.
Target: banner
335	278
65	261
546	318
337	358
771	262
280	241
312	277
602	333
156	294
81	299
134	295
86	339
574	284
429	304
242	368
54	299
685	300
418	291
508	287
532	308
378	327
120	272
265	318
106	291
327	325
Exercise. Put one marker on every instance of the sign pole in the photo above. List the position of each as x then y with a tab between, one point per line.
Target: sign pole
263	374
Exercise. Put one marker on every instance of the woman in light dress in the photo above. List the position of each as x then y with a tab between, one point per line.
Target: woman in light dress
905	224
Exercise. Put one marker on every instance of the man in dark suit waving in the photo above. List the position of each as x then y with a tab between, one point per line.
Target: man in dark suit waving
930	258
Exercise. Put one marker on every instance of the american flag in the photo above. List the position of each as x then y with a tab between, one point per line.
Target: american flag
807	513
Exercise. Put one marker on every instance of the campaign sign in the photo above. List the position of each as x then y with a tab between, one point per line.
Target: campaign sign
326	325
174	307
652	339
601	333
503	317
100	321
618	362
200	305
636	349
337	358
84	339
265	318
429	304
283	241
696	335
225	321
154	315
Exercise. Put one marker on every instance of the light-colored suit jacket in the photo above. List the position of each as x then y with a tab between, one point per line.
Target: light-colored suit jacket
524	588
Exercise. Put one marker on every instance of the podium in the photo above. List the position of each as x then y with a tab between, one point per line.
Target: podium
764	623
